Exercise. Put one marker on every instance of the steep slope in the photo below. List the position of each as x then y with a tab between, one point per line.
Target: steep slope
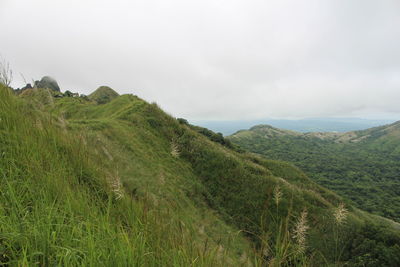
362	166
195	200
238	186
62	201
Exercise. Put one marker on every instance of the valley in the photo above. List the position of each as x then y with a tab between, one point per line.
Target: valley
362	166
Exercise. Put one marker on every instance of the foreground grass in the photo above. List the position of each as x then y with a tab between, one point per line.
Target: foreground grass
59	207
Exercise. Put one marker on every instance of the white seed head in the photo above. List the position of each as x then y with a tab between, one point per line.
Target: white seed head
340	213
277	195
300	231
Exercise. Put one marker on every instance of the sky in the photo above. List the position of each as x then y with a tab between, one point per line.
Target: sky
213	59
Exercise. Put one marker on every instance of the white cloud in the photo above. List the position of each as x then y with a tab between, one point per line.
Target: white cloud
215	59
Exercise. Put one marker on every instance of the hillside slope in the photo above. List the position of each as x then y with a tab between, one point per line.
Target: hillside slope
62	199
139	187
362	166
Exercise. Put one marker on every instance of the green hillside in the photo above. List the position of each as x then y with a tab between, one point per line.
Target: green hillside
121	183
103	94
362	166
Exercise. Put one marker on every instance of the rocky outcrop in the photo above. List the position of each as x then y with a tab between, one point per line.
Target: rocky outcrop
48	82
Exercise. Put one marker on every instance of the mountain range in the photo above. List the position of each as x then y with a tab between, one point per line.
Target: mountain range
362	166
299	125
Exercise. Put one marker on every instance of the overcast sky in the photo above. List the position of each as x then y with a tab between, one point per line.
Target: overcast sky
214	59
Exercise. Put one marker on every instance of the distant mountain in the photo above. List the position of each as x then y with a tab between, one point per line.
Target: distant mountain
303	125
363	166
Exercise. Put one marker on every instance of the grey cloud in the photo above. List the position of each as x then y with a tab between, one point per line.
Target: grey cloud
216	59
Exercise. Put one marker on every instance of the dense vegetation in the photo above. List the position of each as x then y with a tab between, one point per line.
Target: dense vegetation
361	166
215	137
122	183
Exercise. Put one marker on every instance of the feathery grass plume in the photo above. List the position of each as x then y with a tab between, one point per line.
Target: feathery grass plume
277	195
6	74
244	260
340	213
174	149
300	231
116	186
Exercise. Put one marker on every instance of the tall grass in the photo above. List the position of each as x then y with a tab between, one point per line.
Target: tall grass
57	207
282	237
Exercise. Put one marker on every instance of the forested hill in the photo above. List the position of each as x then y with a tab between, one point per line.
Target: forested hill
362	166
111	180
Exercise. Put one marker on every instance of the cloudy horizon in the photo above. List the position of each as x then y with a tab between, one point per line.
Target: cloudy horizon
216	60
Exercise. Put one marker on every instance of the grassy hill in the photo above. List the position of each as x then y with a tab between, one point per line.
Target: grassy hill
63	199
103	94
362	166
123	183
